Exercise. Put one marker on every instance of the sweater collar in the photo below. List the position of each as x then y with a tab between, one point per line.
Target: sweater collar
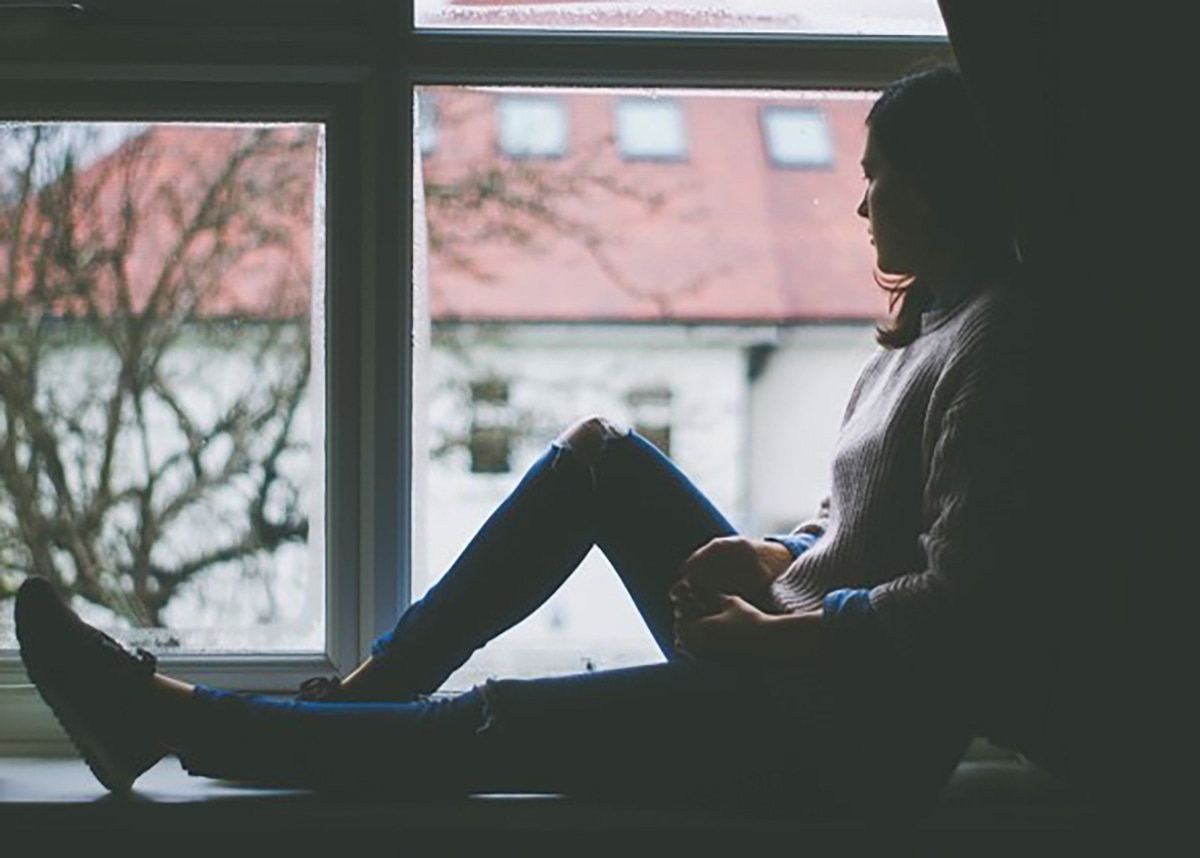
947	302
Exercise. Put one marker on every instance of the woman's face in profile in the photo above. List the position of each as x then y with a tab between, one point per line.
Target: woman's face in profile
897	213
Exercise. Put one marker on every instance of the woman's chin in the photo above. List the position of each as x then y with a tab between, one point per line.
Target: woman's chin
891	268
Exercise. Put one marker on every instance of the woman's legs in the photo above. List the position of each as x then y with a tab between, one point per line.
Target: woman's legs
679	732
598	484
668	732
676	731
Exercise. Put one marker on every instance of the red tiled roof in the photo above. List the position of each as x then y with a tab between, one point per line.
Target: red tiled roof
721	236
735	239
259	266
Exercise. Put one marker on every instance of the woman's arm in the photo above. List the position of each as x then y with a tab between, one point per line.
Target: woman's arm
737	630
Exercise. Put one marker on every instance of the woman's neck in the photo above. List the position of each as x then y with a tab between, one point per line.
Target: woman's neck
949	280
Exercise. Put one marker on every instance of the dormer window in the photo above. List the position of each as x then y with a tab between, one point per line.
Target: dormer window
650	129
797	137
533	127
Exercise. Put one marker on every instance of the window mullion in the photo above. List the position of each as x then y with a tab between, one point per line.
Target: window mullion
385	317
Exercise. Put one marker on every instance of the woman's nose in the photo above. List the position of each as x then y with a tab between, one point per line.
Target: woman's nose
862	206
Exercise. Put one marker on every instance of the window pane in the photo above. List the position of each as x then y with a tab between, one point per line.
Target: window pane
797	136
843	17
719	304
650	128
532	127
160	420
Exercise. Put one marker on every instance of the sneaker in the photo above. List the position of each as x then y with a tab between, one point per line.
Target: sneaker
97	689
329	689
319	689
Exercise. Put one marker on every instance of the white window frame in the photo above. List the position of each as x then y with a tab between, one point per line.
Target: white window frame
353	66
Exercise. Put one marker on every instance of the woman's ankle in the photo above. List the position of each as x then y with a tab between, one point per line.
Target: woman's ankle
373	681
173	701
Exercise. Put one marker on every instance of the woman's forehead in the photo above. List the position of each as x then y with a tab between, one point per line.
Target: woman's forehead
871	155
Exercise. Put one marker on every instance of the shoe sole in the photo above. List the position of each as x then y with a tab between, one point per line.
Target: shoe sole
114	776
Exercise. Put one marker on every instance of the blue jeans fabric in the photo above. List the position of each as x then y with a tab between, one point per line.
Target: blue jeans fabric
641	511
674	731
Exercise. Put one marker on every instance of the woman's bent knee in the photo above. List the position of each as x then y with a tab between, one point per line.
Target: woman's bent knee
588	437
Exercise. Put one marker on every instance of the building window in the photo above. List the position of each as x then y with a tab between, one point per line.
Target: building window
427	121
650	410
533	127
797	137
492	429
651	129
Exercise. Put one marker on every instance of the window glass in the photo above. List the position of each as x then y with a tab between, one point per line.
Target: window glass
846	17
532	126
650	409
719	306
650	128
491	429
797	137
161	415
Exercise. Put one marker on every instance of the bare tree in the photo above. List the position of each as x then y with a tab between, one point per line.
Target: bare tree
154	338
132	290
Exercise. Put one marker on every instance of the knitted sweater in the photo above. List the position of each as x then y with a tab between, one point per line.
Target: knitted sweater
925	492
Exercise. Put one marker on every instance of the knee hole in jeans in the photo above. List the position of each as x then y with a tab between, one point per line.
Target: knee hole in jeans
588	438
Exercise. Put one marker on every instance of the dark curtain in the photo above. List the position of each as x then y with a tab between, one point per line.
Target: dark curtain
1063	90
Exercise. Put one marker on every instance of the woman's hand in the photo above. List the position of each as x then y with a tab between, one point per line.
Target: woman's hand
736	630
728	566
726	630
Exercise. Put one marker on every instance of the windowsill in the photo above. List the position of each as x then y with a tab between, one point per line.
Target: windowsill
60	795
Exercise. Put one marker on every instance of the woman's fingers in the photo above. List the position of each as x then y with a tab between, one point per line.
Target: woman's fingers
689	603
687	609
684	638
698	565
681	590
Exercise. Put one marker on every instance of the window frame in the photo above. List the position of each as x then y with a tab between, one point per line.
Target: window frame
357	75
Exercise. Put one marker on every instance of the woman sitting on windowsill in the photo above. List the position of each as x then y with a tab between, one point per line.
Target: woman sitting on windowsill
838	666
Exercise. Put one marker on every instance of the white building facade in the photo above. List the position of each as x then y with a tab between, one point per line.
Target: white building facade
749	413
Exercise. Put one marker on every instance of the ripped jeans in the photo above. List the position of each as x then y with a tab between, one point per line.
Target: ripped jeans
677	731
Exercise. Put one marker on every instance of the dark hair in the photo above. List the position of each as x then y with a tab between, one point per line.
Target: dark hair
926	126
